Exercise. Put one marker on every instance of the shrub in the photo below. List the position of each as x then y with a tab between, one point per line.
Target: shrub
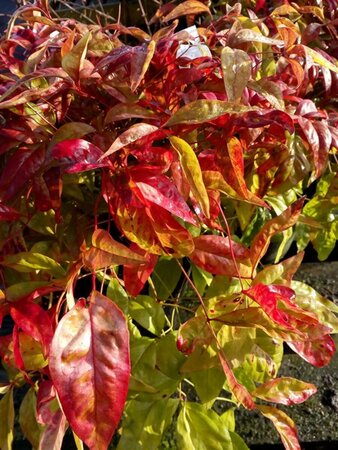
143	178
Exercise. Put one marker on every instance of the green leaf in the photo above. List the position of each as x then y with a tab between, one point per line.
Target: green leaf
19	290
147	312
168	359
201	278
27	418
147	380
236	67
325	240
6	421
43	222
228	419
208	383
145	422
28	262
237	441
192	171
165	277
201	429
200	111
72	62
320	60
310	300
118	294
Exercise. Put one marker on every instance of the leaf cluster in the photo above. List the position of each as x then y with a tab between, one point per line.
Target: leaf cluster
144	178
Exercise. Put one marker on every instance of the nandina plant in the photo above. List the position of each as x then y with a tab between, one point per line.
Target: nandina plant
143	179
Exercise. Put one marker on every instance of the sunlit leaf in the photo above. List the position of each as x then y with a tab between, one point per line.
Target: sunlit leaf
148	313
283	424
285	391
193	172
129	136
144	423
280	223
236	66
6	421
90	367
201	429
28	262
49	414
72	62
201	111
106	252
185	8
219	255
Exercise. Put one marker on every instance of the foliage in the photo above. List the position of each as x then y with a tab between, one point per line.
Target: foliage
143	178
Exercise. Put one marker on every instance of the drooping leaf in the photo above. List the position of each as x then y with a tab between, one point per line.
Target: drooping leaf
185	8
6	420
50	415
193	172
27	418
280	223
283	424
135	276
236	66
90	368
34	321
140	62
285	391
105	252
318	352
201	111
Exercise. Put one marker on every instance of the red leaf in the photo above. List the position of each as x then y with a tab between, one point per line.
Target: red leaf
213	254
161	191
135	276
34	321
20	169
240	391
49	414
8	213
313	140
280	223
78	155
318	352
284	425
267	297
90	368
